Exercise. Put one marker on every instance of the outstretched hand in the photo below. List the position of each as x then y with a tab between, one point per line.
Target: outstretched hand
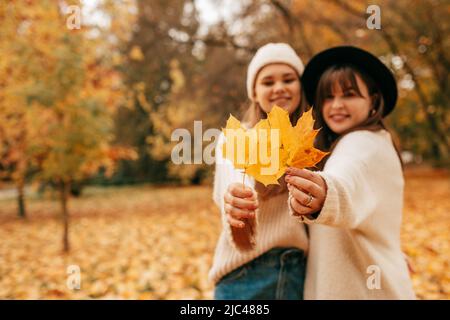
308	190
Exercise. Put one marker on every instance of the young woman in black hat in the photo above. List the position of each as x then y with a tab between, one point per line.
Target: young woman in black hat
353	205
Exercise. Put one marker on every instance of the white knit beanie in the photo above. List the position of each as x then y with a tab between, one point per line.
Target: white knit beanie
271	53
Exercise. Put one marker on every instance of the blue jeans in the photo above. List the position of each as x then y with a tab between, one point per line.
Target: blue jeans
277	274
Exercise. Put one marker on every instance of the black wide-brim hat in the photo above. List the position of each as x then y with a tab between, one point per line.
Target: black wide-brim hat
362	60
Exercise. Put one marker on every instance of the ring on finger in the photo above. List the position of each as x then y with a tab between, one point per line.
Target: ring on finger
310	200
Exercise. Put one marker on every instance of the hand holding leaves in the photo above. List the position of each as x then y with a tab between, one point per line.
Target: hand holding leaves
308	190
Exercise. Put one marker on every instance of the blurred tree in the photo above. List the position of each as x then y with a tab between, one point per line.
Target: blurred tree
66	97
156	43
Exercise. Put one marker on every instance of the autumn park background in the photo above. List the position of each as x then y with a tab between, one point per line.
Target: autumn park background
87	184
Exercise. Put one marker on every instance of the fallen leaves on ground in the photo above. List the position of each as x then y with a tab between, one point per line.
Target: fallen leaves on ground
425	232
130	243
158	243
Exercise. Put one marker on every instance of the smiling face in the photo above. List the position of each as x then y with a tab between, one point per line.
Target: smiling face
277	84
347	105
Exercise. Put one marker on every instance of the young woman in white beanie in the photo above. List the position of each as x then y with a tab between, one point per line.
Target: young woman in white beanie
261	252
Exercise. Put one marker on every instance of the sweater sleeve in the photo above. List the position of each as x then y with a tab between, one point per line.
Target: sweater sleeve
350	178
226	174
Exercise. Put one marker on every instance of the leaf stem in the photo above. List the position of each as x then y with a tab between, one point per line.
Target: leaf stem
245	171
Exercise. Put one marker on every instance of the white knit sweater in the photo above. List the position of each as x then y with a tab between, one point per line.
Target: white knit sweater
274	225
355	248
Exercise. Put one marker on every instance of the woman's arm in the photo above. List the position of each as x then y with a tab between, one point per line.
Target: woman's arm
241	237
344	193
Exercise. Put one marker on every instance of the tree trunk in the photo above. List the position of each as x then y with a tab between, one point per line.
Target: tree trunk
64	195
21	200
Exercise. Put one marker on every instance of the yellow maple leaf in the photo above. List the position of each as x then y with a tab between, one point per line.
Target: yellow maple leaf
303	154
279	118
297	141
255	150
239	144
265	151
272	157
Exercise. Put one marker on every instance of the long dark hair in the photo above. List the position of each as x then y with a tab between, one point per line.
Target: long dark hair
345	76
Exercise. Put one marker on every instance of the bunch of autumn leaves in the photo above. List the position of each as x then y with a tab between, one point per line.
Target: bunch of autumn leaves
272	145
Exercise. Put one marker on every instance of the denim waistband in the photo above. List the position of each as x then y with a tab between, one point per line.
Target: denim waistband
276	274
277	255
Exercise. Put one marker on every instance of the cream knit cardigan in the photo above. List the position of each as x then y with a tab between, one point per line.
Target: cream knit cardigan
274	224
354	250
